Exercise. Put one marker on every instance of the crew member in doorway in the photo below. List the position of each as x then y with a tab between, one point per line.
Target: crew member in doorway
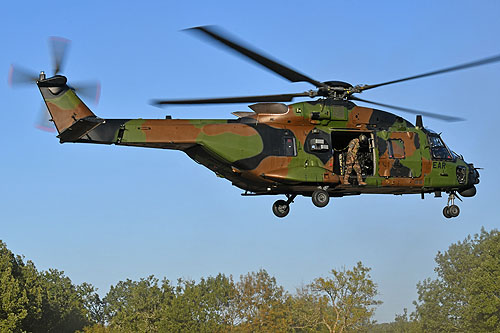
352	159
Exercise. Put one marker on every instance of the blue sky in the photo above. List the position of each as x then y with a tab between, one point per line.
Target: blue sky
104	214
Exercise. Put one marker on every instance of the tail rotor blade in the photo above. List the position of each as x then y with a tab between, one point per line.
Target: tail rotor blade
89	90
43	122
21	76
59	47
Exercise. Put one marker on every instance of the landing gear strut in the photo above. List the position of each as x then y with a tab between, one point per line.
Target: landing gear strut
281	208
451	210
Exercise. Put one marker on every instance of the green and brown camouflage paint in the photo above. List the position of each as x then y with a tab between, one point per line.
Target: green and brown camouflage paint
250	151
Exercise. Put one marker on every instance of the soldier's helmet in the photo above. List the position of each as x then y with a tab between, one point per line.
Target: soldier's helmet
363	139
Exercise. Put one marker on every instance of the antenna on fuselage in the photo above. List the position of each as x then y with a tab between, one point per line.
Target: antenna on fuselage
419	123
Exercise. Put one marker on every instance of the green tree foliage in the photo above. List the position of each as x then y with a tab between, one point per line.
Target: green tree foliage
148	306
204	307
465	296
36	301
133	306
215	304
406	323
92	303
255	303
349	296
306	310
47	301
62	307
403	323
261	303
14	295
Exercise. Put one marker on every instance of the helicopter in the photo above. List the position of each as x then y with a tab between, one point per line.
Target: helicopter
293	149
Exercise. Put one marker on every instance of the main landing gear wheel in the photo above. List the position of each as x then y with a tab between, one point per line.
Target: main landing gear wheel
320	198
281	208
451	210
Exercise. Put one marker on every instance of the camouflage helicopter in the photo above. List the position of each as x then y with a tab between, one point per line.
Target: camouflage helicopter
290	150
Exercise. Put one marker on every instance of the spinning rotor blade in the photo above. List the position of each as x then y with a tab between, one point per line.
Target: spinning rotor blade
441	71
89	90
59	47
43	122
280	69
20	76
223	100
412	111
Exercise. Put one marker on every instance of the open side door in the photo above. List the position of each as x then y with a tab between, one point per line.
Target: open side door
366	154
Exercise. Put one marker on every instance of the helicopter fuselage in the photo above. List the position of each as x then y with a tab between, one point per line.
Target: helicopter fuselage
283	149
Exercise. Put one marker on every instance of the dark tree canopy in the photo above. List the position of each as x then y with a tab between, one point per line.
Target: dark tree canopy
36	301
47	301
465	296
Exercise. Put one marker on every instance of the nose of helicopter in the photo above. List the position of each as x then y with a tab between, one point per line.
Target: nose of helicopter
472	180
473	175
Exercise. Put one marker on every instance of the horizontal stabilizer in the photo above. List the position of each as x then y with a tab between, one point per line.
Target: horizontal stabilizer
80	128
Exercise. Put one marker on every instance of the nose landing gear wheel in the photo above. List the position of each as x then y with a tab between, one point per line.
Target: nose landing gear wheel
446	212
281	208
454	210
320	198
451	210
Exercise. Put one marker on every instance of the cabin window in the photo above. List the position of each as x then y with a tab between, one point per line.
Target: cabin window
289	146
396	148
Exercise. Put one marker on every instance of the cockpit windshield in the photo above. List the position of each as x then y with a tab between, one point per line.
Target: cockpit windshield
438	148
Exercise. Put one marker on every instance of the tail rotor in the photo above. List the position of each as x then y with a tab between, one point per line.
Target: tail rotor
20	76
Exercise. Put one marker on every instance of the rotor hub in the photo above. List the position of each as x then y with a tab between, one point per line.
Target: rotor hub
336	90
338	84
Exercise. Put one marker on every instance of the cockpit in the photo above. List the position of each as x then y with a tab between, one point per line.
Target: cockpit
439	150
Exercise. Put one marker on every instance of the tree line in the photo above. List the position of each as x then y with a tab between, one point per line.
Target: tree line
464	297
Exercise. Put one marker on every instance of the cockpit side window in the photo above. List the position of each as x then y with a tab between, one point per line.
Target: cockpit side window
438	148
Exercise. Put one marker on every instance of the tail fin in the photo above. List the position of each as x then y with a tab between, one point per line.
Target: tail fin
72	118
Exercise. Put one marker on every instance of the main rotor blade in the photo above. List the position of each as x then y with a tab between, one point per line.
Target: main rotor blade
412	111
441	71
280	69
19	76
226	100
58	47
